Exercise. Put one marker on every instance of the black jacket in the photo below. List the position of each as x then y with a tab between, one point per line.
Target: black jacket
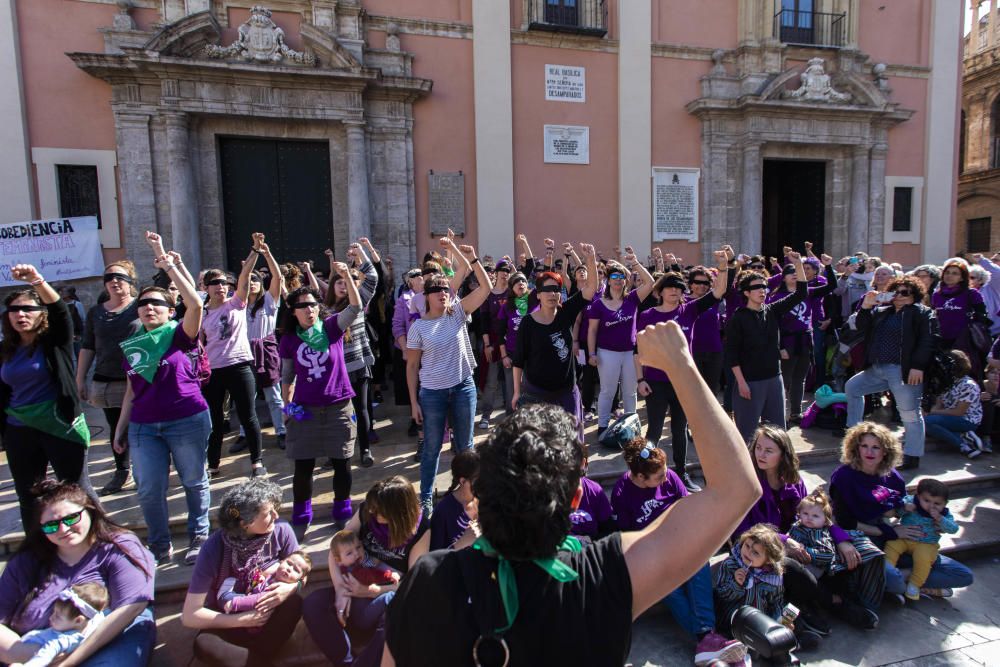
57	344
919	334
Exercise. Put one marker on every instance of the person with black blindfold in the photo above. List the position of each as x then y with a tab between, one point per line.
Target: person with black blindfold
44	423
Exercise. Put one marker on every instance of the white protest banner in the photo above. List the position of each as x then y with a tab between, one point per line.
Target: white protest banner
61	248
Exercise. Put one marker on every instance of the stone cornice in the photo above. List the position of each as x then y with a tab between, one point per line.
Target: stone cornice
708	109
563	40
427	27
682	51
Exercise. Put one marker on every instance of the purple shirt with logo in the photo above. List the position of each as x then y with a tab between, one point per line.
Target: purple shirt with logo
320	377
509	321
951	304
616	328
636	508
686	315
175	392
594	509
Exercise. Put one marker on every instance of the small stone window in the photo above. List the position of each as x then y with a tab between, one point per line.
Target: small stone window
977	234
78	191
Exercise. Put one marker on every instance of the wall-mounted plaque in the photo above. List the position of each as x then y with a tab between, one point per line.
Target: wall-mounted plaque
567	144
447	202
675	203
565	83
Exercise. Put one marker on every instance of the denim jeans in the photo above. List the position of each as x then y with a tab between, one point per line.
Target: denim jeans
185	441
612	366
882	377
133	646
455	404
946	573
692	604
948	428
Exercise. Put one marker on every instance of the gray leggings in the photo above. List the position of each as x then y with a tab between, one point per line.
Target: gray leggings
767	403
793	372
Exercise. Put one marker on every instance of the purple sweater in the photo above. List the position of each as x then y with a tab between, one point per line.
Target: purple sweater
859	497
401	316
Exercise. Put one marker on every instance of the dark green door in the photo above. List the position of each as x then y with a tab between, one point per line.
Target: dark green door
280	188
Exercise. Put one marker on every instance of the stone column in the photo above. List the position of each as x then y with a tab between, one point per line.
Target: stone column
753	199
359	210
135	181
991	26
876	199
974	33
397	197
857	228
184	229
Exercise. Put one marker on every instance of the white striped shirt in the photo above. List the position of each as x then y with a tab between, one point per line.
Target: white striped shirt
447	353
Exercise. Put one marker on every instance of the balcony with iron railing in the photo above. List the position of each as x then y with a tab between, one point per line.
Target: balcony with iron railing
793	26
581	17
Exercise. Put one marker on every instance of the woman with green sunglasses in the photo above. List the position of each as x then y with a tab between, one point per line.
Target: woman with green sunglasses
71	541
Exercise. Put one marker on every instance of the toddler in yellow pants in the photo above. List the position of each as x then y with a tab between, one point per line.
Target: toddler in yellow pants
928	512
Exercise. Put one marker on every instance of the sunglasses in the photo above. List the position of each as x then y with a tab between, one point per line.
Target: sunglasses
50	527
254	279
434	289
306	304
701	282
757	266
904	292
217	281
617	276
753	288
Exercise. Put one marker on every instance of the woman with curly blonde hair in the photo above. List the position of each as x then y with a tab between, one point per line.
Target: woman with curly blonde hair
867	486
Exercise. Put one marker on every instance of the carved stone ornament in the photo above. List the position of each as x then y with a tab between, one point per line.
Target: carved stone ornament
816	86
260	40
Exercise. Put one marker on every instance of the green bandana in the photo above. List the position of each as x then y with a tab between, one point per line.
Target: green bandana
521	303
143	351
45	417
315	336
557	569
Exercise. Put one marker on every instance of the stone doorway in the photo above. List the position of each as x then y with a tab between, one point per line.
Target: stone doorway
794	207
280	188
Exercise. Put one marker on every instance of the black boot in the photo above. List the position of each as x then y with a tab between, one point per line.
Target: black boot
686	479
909	463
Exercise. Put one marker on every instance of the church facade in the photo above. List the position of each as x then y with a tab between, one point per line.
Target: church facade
678	123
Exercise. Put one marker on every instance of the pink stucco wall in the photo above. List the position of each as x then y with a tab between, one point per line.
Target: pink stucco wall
442	10
706	23
444	132
571	202
907	141
906	254
896	32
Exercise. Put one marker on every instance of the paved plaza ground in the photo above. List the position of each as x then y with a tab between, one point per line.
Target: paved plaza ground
960	631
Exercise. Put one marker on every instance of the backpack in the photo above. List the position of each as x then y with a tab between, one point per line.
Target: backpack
621	431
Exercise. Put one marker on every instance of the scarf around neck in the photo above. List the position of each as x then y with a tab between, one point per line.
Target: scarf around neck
521	304
315	336
144	350
764	575
246	557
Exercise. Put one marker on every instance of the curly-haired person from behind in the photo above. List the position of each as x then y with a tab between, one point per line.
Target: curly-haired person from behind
561	604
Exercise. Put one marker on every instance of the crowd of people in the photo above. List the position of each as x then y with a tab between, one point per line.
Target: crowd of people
728	351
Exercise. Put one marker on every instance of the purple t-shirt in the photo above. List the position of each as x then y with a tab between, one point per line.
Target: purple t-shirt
320	377
594	509
225	330
952	306
28	377
208	570
686	315
706	335
616	328
104	563
797	320
816	308
510	321
448	522
636	508
175	392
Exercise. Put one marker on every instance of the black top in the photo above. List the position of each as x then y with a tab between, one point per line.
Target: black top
398	558
545	351
583	622
918	333
57	344
753	339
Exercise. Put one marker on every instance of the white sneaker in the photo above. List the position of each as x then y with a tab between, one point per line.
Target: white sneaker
974	442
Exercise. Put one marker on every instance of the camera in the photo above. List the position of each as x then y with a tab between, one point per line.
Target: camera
764	637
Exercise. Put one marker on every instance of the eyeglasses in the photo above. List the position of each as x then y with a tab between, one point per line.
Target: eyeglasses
50	527
701	282
752	288
306	304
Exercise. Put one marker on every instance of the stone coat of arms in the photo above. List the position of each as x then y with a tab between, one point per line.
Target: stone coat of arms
260	40
816	85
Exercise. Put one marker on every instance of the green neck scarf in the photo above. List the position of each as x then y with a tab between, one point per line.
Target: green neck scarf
45	417
315	336
557	569
144	350
521	303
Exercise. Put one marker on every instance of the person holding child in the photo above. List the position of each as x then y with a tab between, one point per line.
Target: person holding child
351	560
75	615
290	570
926	510
71	541
249	543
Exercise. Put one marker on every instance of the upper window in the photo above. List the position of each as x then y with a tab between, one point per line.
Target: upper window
797	22
585	17
78	191
902	209
977	235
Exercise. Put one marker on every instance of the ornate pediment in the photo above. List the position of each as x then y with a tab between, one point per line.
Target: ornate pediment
816	85
259	40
